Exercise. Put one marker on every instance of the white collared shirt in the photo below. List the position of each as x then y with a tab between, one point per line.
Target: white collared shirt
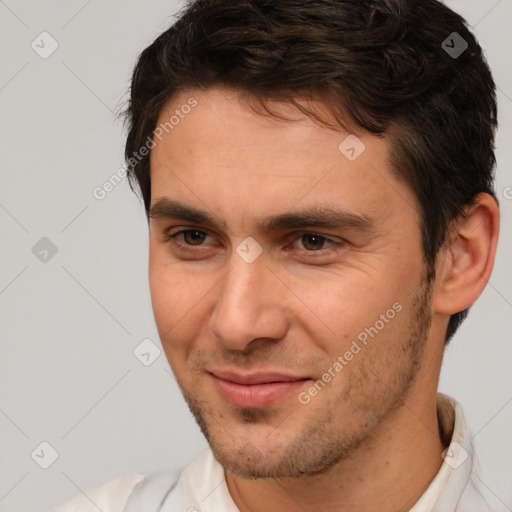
201	486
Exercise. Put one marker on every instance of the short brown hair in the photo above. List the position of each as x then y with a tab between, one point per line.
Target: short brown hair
384	66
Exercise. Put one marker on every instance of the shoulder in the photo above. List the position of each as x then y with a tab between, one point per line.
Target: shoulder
110	497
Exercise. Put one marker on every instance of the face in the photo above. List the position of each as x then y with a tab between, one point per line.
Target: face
286	282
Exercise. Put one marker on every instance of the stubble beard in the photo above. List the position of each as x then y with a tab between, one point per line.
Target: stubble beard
321	444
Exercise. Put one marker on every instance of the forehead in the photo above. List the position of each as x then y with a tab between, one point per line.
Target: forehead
224	156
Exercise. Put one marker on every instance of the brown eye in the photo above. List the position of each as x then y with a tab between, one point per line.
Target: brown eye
313	242
193	237
313	245
188	237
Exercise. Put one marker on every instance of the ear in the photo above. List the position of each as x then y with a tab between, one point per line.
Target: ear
465	262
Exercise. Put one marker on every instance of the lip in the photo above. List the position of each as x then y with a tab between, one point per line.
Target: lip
256	378
256	390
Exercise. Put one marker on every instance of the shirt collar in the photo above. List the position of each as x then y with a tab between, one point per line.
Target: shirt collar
447	487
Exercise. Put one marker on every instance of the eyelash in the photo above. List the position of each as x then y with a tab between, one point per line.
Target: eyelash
171	238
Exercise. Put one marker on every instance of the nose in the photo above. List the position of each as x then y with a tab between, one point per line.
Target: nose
249	305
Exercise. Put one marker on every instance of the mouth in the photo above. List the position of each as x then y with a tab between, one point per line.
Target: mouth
257	390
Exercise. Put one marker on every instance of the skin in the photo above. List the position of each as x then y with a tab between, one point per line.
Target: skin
369	440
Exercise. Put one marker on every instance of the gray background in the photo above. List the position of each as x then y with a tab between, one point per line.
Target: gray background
69	325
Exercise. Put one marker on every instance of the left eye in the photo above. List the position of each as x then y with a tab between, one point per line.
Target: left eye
312	241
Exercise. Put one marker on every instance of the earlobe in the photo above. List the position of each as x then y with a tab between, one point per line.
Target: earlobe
466	260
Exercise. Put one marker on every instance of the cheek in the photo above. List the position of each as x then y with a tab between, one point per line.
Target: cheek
176	309
183	302
339	306
176	300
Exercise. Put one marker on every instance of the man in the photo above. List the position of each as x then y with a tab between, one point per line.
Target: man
317	177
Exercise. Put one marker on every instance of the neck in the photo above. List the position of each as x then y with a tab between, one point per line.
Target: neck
388	472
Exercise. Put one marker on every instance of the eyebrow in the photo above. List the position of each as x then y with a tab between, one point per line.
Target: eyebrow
320	216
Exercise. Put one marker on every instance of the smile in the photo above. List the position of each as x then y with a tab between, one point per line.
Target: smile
257	395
